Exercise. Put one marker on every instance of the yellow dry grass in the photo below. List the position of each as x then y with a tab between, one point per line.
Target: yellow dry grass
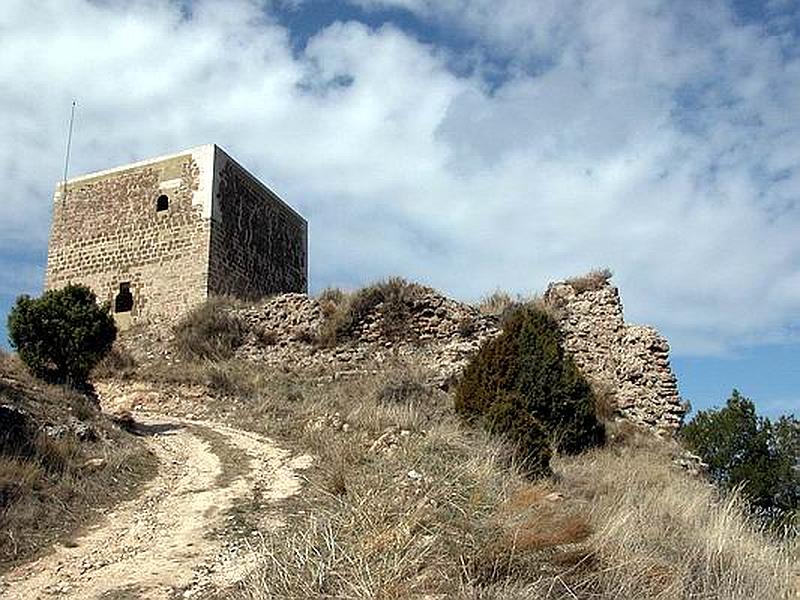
443	513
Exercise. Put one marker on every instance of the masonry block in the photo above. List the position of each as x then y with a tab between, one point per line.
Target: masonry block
157	237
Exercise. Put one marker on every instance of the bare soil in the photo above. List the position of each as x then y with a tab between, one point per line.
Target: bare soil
160	545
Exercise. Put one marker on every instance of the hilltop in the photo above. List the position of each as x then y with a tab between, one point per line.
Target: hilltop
395	496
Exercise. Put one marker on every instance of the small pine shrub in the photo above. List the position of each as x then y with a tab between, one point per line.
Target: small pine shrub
523	385
210	331
750	454
62	335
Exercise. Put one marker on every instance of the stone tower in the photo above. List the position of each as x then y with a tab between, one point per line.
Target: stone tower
157	237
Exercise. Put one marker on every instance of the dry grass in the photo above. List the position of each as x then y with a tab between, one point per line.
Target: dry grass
46	496
496	303
660	533
46	490
118	363
394	466
591	281
406	502
225	378
346	312
332	296
211	331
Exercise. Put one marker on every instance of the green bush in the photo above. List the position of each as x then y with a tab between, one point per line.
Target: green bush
61	335
746	451
210	331
523	385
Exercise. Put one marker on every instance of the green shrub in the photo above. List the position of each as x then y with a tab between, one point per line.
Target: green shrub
523	385
210	331
746	451
62	335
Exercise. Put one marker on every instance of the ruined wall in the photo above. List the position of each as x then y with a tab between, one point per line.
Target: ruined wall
106	231
258	243
629	362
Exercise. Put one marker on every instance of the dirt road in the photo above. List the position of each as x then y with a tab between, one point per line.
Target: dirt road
182	536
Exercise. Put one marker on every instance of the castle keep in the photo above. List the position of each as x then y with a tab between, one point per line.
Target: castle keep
157	237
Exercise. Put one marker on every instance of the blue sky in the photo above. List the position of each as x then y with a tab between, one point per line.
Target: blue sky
467	144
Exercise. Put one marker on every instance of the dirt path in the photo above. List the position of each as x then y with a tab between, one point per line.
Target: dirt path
177	538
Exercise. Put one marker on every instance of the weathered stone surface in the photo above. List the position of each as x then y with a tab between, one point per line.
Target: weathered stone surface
631	362
175	230
258	244
292	323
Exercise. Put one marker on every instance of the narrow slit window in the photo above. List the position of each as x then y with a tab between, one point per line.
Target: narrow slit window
124	300
162	203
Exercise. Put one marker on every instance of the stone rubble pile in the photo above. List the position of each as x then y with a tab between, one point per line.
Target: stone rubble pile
430	319
630	362
290	317
440	332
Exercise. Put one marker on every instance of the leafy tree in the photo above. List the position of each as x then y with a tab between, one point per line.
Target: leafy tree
786	447
748	451
61	335
523	385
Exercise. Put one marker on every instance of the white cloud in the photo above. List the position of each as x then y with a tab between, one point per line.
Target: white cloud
660	139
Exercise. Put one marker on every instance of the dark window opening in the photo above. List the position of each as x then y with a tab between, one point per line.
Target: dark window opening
124	300
162	203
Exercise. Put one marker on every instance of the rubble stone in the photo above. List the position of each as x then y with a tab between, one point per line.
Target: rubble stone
629	362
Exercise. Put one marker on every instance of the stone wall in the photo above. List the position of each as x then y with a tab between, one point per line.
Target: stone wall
258	243
106	231
175	229
442	335
627	363
630	363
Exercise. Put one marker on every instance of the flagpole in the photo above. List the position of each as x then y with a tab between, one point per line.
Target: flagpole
69	144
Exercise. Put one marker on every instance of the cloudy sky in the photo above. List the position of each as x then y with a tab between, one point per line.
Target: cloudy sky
467	144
